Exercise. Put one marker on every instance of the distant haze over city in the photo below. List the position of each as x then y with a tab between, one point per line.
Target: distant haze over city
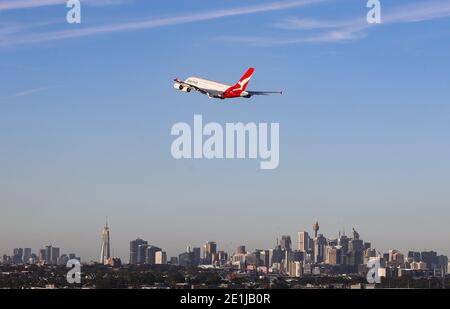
90	250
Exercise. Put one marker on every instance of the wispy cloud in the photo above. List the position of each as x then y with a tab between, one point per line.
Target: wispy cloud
156	22
417	12
326	37
24	93
313	30
28	4
296	23
331	31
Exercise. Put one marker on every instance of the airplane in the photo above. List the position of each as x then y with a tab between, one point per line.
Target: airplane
218	90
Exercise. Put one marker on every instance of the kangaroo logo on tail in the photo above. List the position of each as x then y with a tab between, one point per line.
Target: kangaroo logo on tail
243	82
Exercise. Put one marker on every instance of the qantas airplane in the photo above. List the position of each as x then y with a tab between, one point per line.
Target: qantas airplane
220	91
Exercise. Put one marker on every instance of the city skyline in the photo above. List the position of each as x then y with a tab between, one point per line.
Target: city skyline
345	258
294	244
86	112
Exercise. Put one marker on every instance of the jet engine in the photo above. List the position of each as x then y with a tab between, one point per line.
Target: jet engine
181	87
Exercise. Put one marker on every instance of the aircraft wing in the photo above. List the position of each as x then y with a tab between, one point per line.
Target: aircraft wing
263	92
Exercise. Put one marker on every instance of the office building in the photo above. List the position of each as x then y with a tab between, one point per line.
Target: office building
196	256
334	255
134	250
142	254
42	255
48	254
17	256
430	257
320	243
173	260
151	254
185	259
209	251
303	241
26	255
295	269
286	243
160	257
240	250
264	256
54	256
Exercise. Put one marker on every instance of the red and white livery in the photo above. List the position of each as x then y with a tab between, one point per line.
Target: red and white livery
218	90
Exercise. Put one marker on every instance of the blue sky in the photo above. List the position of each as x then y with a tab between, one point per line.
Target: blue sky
86	112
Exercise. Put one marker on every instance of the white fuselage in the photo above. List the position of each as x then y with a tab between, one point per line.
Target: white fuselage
207	84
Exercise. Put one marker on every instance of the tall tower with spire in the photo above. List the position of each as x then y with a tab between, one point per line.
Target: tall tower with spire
315	228
105	251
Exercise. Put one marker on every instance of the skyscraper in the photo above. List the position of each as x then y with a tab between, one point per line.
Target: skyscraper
42	255
18	256
26	255
142	253
286	243
355	254
185	259
320	243
209	250
343	243
55	256
196	256
151	254
414	256
48	254
51	255
105	253
303	241
333	255
430	257
134	249
240	250
277	255
160	257
220	258
264	256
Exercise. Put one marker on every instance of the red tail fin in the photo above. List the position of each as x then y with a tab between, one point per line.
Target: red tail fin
243	82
